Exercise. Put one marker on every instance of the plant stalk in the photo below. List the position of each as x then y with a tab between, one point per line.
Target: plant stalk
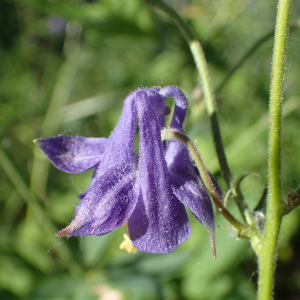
211	107
170	134
267	256
199	57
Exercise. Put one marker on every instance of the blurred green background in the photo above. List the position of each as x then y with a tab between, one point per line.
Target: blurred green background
65	68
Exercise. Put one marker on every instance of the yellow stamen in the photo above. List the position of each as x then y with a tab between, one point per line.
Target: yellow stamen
127	244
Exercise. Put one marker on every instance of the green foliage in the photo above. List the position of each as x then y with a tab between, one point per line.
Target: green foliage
65	68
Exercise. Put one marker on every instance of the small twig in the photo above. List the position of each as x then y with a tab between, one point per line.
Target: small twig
267	256
168	134
201	64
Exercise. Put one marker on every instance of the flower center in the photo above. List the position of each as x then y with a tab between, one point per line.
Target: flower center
127	244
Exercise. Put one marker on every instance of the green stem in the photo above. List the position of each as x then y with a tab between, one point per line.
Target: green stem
267	255
209	97
169	134
201	64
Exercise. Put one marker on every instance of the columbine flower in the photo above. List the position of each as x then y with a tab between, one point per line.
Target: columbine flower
148	191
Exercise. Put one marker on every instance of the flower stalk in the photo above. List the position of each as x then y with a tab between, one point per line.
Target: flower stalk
169	134
201	64
267	256
211	107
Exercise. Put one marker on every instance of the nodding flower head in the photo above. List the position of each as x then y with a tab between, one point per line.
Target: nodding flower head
149	190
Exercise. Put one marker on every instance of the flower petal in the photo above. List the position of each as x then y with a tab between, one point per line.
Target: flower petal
120	142
157	102
186	182
107	205
188	187
191	192
159	222
181	105
119	149
73	154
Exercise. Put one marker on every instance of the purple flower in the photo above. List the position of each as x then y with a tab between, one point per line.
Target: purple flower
149	190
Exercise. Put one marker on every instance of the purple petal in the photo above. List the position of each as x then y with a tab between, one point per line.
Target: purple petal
181	105
186	182
177	154
191	192
119	148
120	142
157	102
107	205
159	222
188	187
73	154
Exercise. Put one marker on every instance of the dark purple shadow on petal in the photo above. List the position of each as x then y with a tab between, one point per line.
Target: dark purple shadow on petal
190	191
73	154
119	149
107	205
159	222
181	105
157	102
109	200
125	130
187	184
177	155
186	180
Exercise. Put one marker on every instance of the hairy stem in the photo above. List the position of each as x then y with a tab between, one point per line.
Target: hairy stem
267	255
201	64
169	134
